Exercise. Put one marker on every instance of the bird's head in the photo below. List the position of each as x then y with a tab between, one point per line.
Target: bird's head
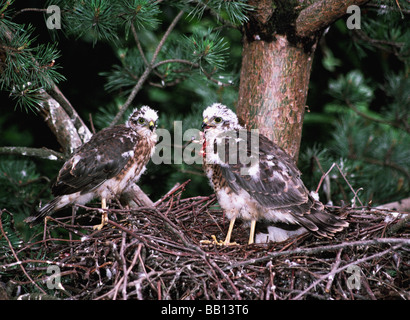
218	116
143	120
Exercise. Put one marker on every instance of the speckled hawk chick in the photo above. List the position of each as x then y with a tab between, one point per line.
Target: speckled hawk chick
105	166
257	181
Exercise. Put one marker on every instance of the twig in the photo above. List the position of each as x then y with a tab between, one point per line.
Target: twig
15	255
386	7
309	251
27	10
345	179
175	188
394	124
336	271
334	267
153	253
324	176
90	118
42	153
137	41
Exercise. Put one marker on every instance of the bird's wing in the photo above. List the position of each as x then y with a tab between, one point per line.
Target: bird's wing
270	176
98	160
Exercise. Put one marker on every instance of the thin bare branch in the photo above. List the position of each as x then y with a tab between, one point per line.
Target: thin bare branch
43	153
147	70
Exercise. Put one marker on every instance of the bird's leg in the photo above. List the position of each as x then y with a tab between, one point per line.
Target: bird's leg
252	232
104	217
227	241
229	234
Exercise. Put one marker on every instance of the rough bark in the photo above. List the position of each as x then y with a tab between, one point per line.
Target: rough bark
278	47
273	90
321	14
82	130
42	153
275	75
61	124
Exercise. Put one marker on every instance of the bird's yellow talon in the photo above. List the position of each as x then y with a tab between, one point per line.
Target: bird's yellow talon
217	242
98	226
104	218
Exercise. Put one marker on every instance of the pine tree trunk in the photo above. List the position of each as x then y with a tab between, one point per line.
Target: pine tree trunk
278	47
273	90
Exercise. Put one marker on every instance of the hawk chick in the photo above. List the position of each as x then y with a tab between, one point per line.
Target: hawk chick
256	180
105	166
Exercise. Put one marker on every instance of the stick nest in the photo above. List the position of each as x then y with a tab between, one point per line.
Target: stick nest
155	253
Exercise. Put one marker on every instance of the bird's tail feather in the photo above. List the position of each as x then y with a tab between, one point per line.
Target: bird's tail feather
321	222
39	215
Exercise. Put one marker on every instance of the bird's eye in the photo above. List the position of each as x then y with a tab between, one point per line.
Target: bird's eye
141	120
218	120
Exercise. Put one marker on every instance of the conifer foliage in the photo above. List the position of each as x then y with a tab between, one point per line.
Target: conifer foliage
179	57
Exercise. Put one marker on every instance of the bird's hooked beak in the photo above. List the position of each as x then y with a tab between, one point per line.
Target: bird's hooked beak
151	125
205	123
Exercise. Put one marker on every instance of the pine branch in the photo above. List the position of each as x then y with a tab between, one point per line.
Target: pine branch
383	163
235	10
58	113
147	70
192	65
28	10
137	41
385	45
60	123
395	124
321	14
82	130
42	153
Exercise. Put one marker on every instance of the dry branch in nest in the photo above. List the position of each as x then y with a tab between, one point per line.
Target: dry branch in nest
155	253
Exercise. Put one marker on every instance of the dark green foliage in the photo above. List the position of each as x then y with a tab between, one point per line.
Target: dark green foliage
371	156
370	147
95	18
100	20
7	223
364	115
123	77
18	179
369	110
207	48
22	187
233	11
27	68
142	13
